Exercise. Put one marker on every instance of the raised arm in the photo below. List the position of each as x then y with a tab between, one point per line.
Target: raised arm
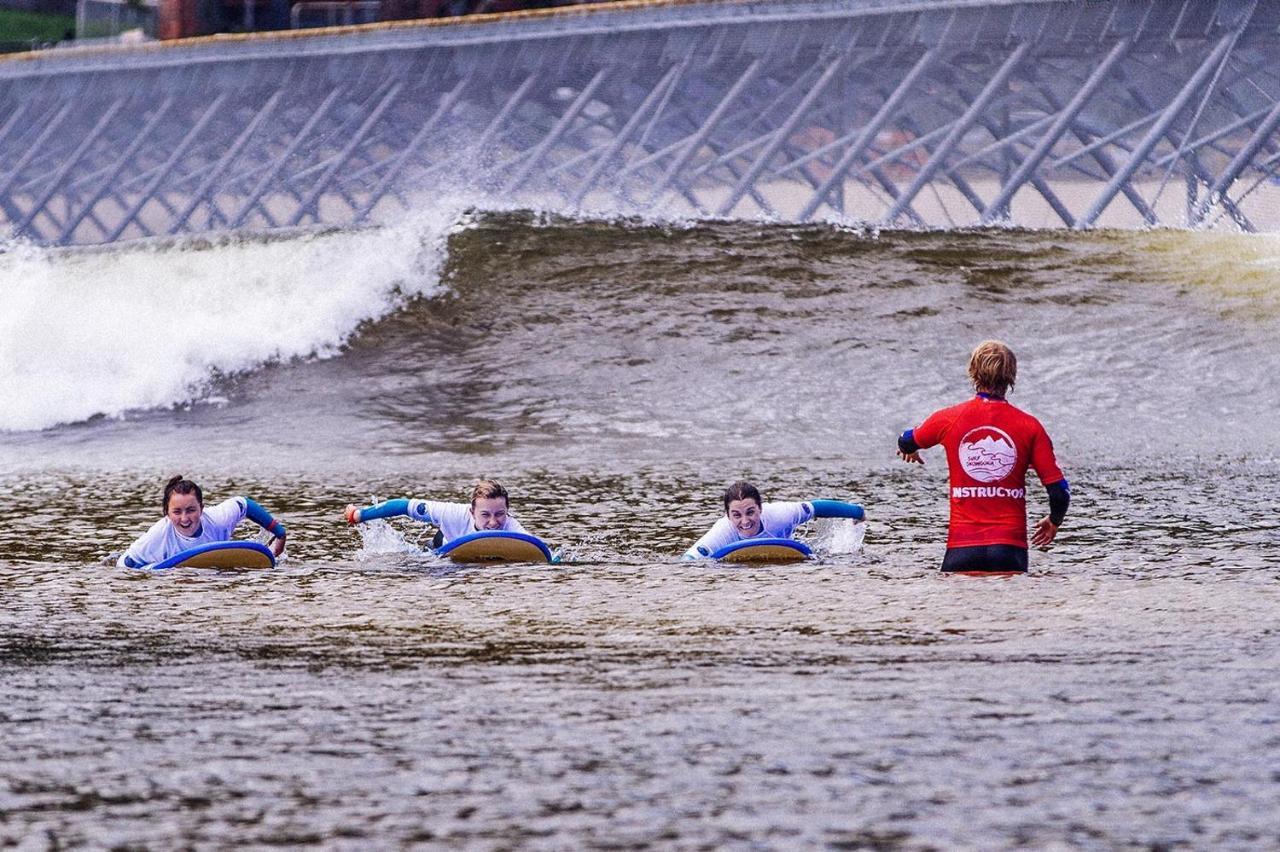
837	509
263	518
385	509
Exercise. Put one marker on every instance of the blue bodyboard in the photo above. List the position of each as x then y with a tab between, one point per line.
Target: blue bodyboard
220	554
764	550
496	546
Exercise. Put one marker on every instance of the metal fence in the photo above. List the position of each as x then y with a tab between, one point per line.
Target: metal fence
925	113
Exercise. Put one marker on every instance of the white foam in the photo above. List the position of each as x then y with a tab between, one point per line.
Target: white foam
842	535
377	538
103	332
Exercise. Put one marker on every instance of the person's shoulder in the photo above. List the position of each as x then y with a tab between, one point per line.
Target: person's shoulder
721	528
420	503
158	527
789	512
230	506
228	513
944	418
1025	418
439	509
150	542
951	412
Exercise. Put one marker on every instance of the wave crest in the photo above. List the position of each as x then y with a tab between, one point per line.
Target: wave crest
105	331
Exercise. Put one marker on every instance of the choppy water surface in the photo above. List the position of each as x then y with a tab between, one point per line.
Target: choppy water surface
616	376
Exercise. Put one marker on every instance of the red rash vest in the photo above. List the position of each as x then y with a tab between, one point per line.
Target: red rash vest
990	444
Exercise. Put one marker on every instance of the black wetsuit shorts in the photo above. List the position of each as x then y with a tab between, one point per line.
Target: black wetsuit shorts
987	557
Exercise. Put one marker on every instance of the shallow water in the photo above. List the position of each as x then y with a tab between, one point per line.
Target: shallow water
615	376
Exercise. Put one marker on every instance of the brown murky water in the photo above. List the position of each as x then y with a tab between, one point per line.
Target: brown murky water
615	376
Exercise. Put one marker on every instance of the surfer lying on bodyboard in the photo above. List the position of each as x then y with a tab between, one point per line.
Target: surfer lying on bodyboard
187	525
748	521
482	530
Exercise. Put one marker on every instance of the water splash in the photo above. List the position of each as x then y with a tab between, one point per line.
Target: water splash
379	538
100	333
840	535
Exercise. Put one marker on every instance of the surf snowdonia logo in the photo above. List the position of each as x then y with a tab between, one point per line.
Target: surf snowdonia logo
987	454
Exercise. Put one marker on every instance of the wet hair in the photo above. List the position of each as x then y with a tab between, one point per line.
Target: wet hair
993	368
181	485
489	488
741	490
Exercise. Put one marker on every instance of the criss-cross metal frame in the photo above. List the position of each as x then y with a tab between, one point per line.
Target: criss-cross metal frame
1068	113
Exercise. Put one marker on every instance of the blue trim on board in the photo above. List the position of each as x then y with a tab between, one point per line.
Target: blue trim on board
449	547
178	558
798	546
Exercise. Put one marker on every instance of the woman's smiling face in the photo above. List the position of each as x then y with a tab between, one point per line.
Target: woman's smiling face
184	513
744	514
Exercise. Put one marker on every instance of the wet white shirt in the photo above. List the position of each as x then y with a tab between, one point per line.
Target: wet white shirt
163	540
777	520
454	519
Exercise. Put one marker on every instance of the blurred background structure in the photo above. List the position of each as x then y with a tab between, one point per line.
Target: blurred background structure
33	24
902	113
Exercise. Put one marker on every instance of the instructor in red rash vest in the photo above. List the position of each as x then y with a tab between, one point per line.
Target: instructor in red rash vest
990	444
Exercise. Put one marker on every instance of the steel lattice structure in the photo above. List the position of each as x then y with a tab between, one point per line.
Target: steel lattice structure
1069	113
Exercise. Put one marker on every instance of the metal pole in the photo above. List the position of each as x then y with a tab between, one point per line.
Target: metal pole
163	172
1241	161
1104	161
60	175
144	136
446	104
36	147
659	91
566	121
1139	154
1061	124
1054	202
352	143
11	212
612	143
781	134
1181	147
13	119
226	159
961	127
265	181
700	137
868	134
1209	139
